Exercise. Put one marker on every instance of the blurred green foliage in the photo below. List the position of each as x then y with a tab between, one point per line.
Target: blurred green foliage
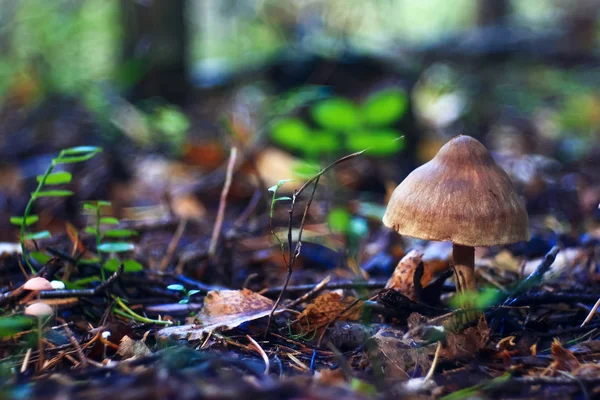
340	125
478	300
59	45
99	228
9	326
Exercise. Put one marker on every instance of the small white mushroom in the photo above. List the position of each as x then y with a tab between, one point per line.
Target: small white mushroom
57	285
39	310
37	284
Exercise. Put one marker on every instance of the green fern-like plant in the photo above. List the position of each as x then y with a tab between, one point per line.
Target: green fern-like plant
110	240
49	178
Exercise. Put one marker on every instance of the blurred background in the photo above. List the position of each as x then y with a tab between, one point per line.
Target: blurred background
168	87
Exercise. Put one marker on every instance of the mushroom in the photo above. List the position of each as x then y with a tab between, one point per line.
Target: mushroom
39	310
38	284
461	196
35	286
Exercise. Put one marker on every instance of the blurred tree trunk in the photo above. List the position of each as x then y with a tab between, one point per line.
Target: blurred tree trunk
579	23
155	49
493	12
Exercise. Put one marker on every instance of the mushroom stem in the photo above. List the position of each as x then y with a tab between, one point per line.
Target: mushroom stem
464	267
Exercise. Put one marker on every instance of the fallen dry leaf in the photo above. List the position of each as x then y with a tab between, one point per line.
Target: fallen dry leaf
274	165
74	237
397	356
331	377
402	280
564	359
222	304
129	348
187	206
328	307
464	345
223	309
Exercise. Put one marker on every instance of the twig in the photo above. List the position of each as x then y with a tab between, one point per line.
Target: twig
53	294
74	342
330	286
318	287
434	362
173	245
293	253
536	277
261	352
26	361
221	211
591	314
19	292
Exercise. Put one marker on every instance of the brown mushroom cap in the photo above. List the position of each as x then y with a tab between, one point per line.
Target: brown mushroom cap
461	196
37	284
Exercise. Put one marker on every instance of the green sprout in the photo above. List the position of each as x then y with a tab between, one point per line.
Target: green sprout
187	293
127	312
49	178
117	237
275	199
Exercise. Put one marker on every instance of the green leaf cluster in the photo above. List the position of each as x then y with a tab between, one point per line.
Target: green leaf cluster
342	125
187	293
49	178
103	228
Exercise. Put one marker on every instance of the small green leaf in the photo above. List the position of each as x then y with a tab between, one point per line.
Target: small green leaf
103	203
52	193
12	325
55	178
40	257
90	207
184	301
280	183
479	300
91	230
88	261
113	264
109	221
115	247
38	235
283	198
193	292
119	233
81	150
73	159
177	287
171	121
363	388
81	283
339	220
306	169
32	219
376	143
132	266
291	133
336	114
384	108
322	142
